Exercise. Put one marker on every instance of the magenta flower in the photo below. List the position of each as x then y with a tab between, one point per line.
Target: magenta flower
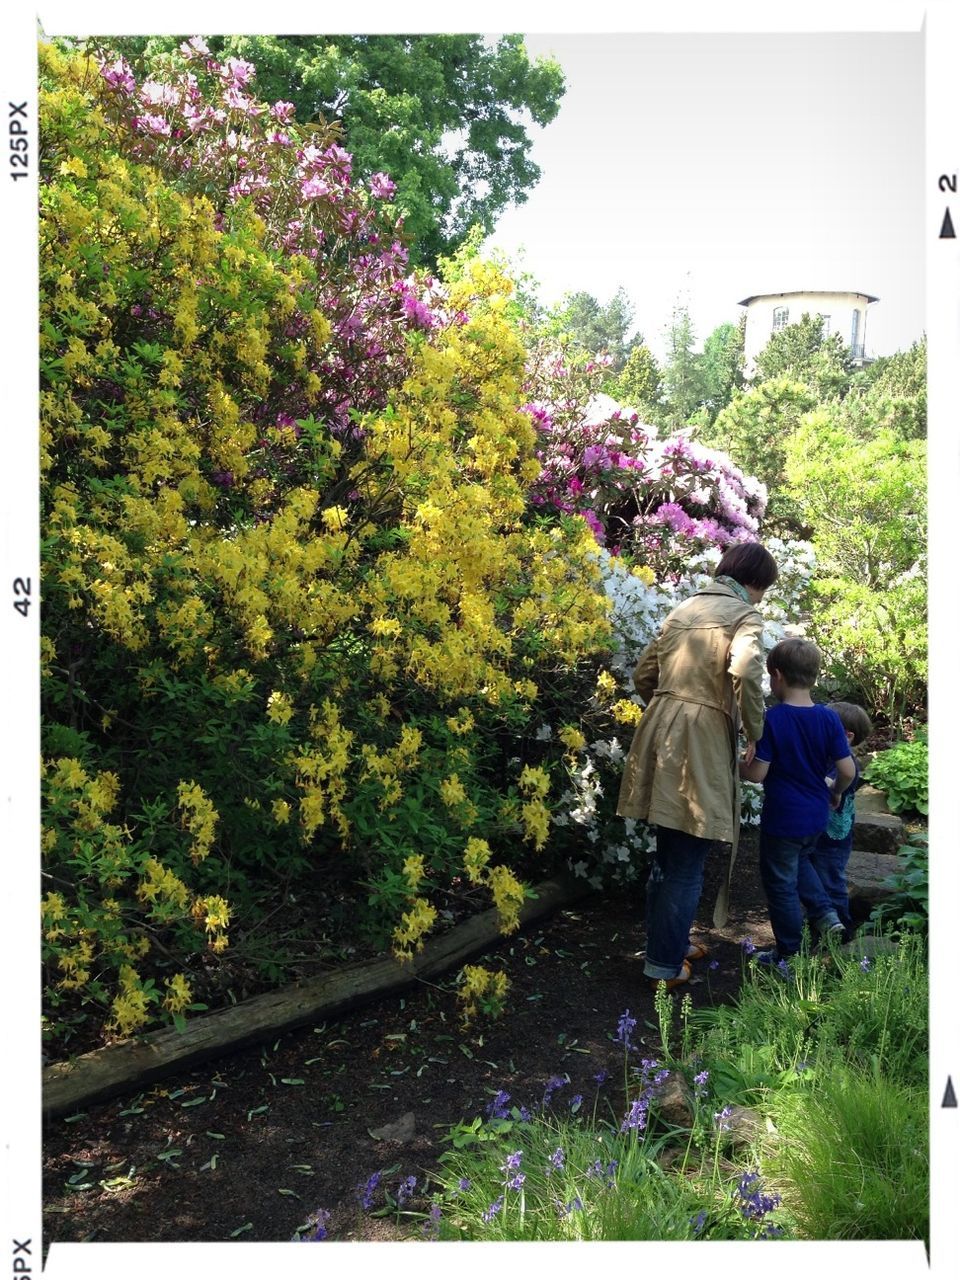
381	186
119	76
240	72
283	111
314	188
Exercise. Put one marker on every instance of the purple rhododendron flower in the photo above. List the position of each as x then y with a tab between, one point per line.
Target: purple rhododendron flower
381	186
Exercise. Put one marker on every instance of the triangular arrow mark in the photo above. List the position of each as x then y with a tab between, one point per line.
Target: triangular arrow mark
947	233
949	1097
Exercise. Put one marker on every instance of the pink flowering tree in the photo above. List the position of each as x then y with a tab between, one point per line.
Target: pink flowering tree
207	133
663	501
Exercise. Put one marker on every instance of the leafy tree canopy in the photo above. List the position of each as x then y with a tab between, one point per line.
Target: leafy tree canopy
447	117
596	327
639	383
722	366
802	352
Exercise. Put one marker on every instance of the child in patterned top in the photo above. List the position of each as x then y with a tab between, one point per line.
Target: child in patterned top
826	870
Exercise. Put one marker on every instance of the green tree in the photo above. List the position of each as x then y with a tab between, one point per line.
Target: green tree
802	352
683	379
722	366
595	327
866	503
446	116
890	393
639	383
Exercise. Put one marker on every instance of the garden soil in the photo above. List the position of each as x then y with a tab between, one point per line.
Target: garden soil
249	1146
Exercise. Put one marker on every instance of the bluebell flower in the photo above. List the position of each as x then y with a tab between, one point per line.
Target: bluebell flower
783	966
701	1077
636	1117
322	1217
406	1189
431	1228
625	1028
714	964
556	1161
464	1184
489	1214
721	1118
516	1182
553	1084
366	1192
497	1108
865	965
524	1114
748	946
576	1102
512	1162
602	1076
697	1222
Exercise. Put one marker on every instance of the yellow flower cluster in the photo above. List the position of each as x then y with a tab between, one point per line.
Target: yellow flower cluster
626	712
606	686
414	871
572	738
535	783
178	995
199	817
475	859
214	913
415	923
481	989
130	1006
508	897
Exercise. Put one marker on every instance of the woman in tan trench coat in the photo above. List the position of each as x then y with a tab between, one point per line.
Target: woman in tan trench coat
701	682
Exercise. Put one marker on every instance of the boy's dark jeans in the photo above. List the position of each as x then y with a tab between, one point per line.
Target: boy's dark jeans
829	863
785	872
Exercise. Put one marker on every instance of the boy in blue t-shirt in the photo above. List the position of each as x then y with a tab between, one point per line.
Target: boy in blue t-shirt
828	861
802	741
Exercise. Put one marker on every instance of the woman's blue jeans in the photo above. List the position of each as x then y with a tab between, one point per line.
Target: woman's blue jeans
673	895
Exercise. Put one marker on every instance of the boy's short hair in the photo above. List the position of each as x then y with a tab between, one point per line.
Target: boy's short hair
854	719
797	660
750	564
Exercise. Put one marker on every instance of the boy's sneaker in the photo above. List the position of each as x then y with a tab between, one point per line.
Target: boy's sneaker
829	926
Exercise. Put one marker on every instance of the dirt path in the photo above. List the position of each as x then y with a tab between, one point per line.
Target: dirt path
250	1146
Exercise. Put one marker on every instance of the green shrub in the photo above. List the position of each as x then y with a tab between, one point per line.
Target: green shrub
902	774
908	908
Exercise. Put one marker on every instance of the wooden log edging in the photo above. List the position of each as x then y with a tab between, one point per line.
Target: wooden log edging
103	1073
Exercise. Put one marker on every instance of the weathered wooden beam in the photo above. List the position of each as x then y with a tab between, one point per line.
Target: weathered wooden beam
102	1073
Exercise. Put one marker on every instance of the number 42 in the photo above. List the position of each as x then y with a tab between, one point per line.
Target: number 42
21	588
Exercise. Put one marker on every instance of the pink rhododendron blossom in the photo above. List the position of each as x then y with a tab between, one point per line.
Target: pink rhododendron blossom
283	111
156	94
314	188
119	76
381	186
240	72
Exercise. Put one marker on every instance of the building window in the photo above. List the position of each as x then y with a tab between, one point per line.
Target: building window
855	330
781	315
826	324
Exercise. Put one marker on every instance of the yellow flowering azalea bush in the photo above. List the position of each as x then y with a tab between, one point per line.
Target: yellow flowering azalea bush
297	610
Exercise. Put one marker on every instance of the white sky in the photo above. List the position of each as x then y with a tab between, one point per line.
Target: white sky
719	166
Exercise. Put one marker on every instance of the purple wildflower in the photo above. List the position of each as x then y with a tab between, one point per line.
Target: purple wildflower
406	1189
576	1102
556	1161
322	1217
516	1182
512	1162
497	1109
748	946
366	1192
721	1118
865	964
714	964
698	1222
431	1228
625	1028
553	1084
602	1076
464	1184
636	1117
489	1214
